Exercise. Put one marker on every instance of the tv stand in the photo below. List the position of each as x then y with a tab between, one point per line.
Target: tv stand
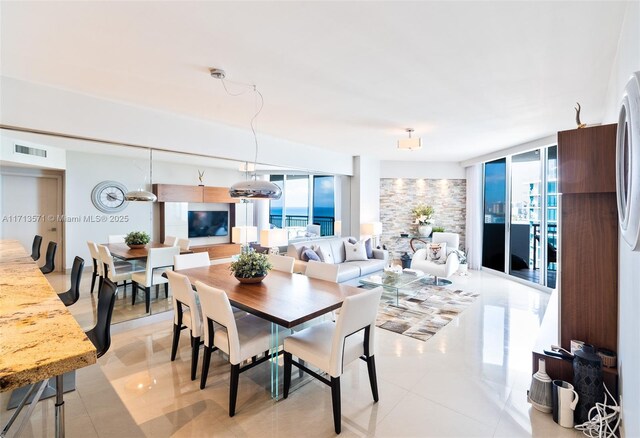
200	194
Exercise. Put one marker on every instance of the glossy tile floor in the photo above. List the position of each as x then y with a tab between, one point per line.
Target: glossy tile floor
468	380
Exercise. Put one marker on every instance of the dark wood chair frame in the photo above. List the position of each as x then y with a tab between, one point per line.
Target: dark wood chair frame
195	340
334	383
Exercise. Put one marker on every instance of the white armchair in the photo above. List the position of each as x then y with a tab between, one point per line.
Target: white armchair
439	270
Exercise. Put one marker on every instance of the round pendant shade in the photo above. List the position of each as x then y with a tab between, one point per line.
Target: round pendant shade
255	189
140	195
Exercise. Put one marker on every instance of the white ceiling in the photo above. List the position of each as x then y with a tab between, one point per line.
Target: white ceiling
469	77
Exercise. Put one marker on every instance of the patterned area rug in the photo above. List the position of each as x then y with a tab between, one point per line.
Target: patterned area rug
422	312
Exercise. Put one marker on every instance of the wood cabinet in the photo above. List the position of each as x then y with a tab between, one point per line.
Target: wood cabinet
588	289
181	193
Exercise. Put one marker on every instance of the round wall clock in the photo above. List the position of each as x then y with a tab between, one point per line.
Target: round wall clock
108	196
628	163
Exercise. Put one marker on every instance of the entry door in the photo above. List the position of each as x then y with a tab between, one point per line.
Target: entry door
30	206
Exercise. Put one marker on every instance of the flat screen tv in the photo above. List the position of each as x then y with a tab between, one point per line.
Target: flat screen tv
208	223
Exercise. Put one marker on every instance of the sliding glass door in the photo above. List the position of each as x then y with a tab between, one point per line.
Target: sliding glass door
520	216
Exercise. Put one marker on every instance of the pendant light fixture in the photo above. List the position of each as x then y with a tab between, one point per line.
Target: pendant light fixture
411	144
250	188
142	195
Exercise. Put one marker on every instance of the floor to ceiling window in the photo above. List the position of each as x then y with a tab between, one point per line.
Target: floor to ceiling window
306	200
520	216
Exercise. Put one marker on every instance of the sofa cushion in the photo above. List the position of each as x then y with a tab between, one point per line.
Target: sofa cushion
337	250
369	266
368	244
437	252
325	253
348	271
310	254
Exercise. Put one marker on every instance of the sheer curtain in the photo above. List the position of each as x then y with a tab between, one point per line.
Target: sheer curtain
474	216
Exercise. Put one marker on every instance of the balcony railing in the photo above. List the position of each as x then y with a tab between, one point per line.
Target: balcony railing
325	222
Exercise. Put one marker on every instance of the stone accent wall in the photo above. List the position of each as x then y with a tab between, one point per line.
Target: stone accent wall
398	196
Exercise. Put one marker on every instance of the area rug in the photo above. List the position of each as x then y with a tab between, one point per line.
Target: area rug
422	312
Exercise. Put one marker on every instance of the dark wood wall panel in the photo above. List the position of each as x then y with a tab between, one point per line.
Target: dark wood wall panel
589	270
586	160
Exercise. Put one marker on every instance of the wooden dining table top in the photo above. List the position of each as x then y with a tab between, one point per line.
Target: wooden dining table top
122	251
285	299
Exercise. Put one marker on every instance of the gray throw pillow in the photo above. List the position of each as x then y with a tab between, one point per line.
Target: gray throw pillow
368	246
310	254
351	240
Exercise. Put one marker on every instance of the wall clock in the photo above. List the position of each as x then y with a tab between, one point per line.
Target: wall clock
108	196
628	163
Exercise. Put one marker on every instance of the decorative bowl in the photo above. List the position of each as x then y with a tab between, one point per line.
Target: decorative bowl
136	246
250	279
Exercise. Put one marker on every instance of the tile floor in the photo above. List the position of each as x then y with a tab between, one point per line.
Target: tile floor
468	380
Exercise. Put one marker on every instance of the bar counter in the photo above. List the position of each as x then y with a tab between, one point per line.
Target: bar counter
39	338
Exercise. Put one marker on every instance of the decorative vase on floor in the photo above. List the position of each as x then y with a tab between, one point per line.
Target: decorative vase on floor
587	381
424	230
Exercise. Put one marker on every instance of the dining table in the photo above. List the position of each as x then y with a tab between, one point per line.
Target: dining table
39	338
123	252
286	300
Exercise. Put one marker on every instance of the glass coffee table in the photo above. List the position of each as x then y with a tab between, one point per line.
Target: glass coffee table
391	282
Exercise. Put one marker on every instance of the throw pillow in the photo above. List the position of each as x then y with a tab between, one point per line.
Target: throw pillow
437	252
355	251
310	254
325	254
352	240
303	255
368	244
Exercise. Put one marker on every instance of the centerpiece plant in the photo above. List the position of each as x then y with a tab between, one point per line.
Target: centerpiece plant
422	214
137	239
250	267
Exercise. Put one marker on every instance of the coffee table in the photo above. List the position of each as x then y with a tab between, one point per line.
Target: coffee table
391	282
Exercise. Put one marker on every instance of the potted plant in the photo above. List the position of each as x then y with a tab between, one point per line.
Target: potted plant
136	239
422	214
251	267
462	257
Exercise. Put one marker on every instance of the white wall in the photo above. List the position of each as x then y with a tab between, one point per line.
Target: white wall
365	193
627	61
45	108
421	169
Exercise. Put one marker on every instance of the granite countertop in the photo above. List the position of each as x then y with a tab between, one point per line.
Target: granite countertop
39	338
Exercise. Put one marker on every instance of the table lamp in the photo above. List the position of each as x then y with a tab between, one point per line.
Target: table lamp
273	238
243	235
373	229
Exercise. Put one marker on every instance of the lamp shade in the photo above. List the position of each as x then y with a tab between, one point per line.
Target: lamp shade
371	229
411	144
255	189
244	235
337	228
140	195
273	237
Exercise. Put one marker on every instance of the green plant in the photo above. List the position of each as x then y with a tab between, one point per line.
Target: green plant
137	238
250	264
423	214
438	229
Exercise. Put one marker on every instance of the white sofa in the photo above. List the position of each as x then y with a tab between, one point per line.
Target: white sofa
347	270
439	270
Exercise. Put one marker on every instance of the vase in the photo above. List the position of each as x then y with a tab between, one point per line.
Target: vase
587	381
424	230
136	245
251	279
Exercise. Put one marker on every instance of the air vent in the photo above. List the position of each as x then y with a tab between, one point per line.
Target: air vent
30	151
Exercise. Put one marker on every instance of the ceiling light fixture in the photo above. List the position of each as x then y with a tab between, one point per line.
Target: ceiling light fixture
411	144
142	195
251	188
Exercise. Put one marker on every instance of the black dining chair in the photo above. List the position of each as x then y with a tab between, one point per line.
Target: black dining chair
100	335
35	247
49	265
73	294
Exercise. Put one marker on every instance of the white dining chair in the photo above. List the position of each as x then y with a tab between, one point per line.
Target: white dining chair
281	263
240	338
322	271
116	238
115	272
183	244
331	346
157	258
97	265
186	314
170	240
195	260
